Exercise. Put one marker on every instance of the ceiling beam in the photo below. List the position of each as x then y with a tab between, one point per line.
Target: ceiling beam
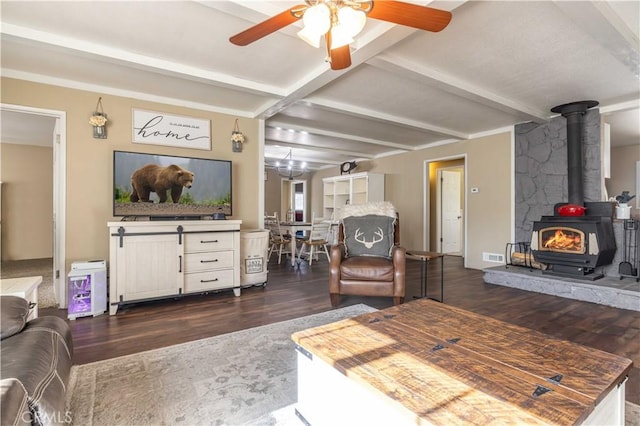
356	111
446	82
298	157
624	106
318	148
147	63
606	26
337	135
251	11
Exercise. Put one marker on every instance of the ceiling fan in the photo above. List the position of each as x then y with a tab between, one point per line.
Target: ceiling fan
340	20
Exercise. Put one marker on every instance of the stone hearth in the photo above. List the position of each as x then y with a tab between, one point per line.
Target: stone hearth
610	290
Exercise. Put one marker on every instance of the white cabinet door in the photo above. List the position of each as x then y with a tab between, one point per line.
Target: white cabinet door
148	267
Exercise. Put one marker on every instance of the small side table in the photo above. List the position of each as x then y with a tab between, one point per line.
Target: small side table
425	257
25	287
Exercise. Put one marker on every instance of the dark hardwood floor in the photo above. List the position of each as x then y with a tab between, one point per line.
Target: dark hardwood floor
294	292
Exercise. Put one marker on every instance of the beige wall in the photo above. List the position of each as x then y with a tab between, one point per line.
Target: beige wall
623	172
27	201
272	192
489	219
89	161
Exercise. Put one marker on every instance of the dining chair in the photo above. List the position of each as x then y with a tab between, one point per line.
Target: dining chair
278	241
317	239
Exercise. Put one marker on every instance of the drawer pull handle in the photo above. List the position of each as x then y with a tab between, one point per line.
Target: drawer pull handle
32	305
209	261
209	281
208	241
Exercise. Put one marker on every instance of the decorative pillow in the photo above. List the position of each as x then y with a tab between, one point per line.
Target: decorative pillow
369	235
13	315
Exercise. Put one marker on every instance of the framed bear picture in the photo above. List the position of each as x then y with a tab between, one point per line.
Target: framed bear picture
158	128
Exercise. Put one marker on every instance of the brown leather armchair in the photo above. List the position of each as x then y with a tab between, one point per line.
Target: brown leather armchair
366	275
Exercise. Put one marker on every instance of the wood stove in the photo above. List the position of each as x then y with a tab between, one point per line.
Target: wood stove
574	246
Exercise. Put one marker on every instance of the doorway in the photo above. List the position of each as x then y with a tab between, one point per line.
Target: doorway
449	210
29	126
294	200
444	205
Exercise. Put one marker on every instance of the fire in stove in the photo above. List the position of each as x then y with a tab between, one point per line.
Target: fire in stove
567	240
574	246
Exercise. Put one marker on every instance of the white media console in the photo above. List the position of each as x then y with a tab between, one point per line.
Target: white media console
158	259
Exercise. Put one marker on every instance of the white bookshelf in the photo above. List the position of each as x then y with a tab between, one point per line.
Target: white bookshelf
358	188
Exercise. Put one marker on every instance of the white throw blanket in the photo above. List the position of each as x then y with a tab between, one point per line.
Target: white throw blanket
382	208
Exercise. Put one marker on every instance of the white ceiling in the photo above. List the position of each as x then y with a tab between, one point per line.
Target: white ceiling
496	64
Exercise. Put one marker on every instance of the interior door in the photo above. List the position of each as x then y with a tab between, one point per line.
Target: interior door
451	216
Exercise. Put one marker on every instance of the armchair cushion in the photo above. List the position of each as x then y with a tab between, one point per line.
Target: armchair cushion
365	268
369	235
13	315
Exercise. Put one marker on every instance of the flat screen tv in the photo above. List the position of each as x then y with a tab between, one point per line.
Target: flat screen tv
165	186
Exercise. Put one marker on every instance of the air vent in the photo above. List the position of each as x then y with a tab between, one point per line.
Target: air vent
492	257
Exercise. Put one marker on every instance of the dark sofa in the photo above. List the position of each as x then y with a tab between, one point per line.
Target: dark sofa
36	363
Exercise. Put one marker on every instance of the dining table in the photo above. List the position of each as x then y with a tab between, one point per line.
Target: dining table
291	228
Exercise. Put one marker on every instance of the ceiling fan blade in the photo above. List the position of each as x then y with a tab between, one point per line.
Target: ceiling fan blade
410	15
267	27
340	58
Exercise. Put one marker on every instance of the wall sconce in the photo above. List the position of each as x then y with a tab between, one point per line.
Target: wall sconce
237	138
99	121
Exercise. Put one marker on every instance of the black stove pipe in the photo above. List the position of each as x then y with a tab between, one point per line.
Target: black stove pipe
573	112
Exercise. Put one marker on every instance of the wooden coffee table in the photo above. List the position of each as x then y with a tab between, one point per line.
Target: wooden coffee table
424	362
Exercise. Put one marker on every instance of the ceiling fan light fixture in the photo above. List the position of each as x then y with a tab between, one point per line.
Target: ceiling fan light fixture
340	21
340	36
317	21
353	20
310	37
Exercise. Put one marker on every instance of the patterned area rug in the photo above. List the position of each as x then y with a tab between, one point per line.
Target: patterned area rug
242	378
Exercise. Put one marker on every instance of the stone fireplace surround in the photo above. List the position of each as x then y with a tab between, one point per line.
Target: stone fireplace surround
540	183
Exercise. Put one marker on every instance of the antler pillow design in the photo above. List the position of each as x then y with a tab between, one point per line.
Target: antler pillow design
369	235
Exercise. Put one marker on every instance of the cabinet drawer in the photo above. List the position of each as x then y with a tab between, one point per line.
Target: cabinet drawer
208	241
210	280
195	262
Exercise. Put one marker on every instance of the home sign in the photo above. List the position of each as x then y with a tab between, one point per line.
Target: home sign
157	128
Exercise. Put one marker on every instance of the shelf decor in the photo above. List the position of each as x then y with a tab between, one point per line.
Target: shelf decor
99	121
237	138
